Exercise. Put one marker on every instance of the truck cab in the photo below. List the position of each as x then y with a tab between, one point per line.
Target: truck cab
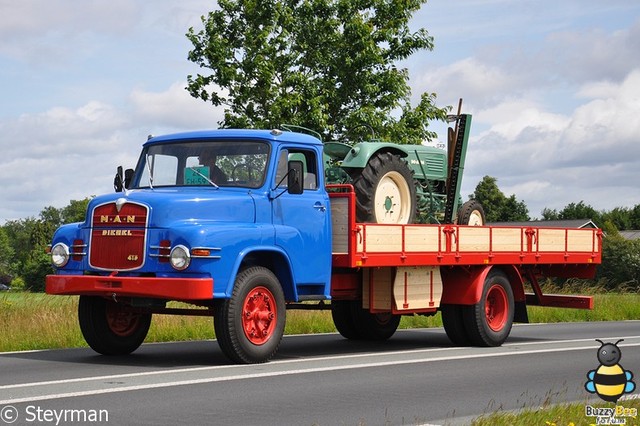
199	209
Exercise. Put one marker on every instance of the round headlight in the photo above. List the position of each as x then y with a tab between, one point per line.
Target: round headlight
180	257
59	255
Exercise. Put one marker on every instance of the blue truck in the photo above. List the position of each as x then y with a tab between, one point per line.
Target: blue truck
240	225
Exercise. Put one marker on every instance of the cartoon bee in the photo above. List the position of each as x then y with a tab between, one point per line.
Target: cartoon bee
610	380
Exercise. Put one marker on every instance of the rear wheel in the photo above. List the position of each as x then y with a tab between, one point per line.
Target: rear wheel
385	190
374	326
341	312
111	328
355	323
453	321
249	326
488	322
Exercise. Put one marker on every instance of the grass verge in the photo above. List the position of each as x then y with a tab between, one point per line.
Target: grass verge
564	415
38	321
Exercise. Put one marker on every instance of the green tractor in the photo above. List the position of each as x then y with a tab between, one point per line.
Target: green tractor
397	183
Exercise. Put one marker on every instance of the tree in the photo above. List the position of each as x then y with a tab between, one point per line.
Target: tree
579	211
328	65
25	257
497	206
6	257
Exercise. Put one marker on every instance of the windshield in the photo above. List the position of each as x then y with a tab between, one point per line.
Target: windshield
203	163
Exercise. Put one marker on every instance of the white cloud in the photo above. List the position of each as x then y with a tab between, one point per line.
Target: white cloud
550	160
476	81
67	153
175	108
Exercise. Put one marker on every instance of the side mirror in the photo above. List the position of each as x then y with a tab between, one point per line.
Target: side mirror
118	181
295	177
128	176
122	181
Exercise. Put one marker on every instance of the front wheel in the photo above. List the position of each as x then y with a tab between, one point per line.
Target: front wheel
249	326
488	322
111	328
471	213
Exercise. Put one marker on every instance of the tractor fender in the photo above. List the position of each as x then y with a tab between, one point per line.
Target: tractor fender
360	153
463	286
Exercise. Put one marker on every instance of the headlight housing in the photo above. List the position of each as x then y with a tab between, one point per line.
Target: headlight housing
59	255
180	258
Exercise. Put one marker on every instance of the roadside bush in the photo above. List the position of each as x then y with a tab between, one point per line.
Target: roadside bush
620	263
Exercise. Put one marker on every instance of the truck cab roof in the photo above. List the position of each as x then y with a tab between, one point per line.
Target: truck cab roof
271	135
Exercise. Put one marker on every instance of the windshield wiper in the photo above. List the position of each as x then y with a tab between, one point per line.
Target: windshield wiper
196	171
150	172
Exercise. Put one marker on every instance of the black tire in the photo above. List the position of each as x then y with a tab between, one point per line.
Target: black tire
453	321
110	328
488	322
249	326
385	176
471	213
342	314
374	327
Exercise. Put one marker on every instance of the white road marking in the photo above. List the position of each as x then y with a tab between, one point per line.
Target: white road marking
258	375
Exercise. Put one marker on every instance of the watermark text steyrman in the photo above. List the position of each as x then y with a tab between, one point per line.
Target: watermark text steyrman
35	414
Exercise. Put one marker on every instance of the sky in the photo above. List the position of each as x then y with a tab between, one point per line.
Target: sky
553	87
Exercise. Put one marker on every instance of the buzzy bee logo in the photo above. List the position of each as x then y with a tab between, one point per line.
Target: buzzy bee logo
609	381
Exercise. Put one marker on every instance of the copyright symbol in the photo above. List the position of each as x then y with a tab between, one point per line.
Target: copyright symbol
9	414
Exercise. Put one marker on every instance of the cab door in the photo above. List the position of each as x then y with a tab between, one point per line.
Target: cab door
302	223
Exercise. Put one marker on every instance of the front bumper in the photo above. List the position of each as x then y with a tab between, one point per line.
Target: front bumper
108	286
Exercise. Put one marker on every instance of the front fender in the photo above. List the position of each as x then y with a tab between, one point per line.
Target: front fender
272	257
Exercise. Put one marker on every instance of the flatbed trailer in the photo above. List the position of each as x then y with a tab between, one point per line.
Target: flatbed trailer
421	269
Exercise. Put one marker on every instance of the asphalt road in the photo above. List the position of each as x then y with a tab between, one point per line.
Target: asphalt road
417	377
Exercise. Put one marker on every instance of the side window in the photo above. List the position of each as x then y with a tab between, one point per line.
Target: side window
309	166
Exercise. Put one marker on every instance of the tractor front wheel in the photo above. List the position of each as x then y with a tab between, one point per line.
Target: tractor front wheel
471	213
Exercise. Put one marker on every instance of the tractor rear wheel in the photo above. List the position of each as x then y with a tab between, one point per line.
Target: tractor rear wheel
385	190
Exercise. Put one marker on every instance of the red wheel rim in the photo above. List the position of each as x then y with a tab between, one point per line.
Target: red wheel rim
259	315
121	322
496	308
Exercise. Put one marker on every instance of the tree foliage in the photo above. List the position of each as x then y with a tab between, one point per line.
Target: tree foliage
571	211
328	65
23	243
497	206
